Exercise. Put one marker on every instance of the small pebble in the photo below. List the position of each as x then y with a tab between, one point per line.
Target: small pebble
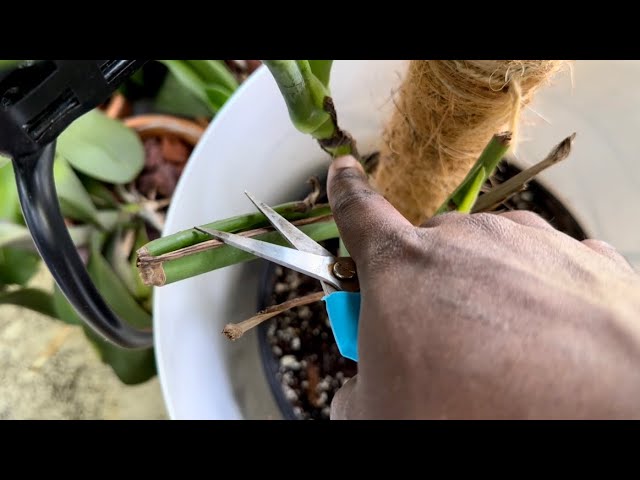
290	394
289	361
295	343
322	399
304	313
281	287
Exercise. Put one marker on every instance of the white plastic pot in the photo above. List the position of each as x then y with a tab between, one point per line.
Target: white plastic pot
251	145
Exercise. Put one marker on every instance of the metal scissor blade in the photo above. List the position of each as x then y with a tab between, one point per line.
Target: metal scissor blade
294	236
316	266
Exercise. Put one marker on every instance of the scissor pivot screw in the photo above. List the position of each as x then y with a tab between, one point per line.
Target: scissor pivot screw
344	269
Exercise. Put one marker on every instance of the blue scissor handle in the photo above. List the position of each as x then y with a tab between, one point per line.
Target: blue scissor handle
344	312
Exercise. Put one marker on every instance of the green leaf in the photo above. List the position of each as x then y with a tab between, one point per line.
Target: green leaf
9	64
115	294
4	160
187	77
32	298
63	309
217	96
213	72
75	202
102	148
322	70
80	234
131	366
142	291
174	98
9	202
12	235
109	219
17	266
100	195
118	258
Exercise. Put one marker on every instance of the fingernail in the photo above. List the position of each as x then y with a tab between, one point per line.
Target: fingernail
346	161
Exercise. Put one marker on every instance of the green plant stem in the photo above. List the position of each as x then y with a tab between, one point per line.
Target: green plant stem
186	238
224	256
322	70
516	183
467	192
309	103
304	101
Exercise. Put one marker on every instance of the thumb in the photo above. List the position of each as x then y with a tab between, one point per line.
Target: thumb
363	216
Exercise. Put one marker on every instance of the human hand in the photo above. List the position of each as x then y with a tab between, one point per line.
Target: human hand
484	315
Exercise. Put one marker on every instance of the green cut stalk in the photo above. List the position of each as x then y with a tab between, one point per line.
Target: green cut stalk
225	255
186	238
467	192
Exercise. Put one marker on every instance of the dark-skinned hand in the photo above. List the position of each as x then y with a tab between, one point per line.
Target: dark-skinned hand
484	316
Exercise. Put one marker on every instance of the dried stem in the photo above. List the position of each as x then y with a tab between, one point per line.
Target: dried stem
503	191
234	331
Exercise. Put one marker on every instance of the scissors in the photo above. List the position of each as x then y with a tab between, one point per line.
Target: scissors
338	275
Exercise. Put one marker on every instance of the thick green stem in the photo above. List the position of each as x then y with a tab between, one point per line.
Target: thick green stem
467	192
303	96
224	256
322	70
309	102
186	238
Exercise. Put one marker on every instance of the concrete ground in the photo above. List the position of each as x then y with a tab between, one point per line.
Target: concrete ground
49	370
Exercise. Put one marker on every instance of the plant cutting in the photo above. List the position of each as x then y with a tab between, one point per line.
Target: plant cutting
189	253
115	170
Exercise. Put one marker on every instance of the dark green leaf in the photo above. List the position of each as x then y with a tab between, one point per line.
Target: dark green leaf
80	234
9	64
213	72
32	298
102	148
187	77
109	219
322	70
101	196
63	309
115	294
142	291
174	98
217	96
12	235
117	254
75	202
17	266
9	203
131	366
